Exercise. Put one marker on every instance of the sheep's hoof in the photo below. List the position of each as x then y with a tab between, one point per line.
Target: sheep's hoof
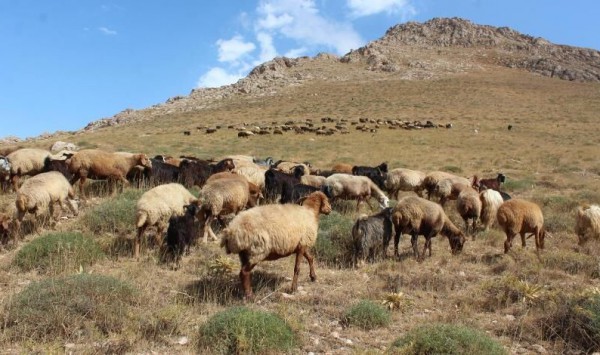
313	278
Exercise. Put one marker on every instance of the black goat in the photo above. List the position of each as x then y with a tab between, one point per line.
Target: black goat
196	172
295	193
275	180
181	234
163	173
376	174
371	235
59	165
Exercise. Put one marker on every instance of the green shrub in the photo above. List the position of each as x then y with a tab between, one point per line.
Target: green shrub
70	308
334	241
242	330
116	216
446	339
367	315
55	253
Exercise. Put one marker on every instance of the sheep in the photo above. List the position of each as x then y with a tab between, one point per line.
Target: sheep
312	180
371	236
432	179
181	233
468	206
342	168
401	179
156	206
587	223
494	183
417	216
5	227
254	173
354	187
4	173
449	189
490	201
296	193
221	197
40	192
271	232
58	162
376	174
196	172
26	161
518	216
289	167
98	164
275	180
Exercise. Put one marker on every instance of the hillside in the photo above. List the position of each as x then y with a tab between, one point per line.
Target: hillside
479	79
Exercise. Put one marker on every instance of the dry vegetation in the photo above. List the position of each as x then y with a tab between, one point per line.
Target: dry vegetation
520	299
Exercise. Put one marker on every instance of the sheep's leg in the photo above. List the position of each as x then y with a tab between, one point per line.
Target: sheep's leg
208	229
299	253
15	182
245	276
160	230
508	242
523	244
310	259
137	241
413	242
397	240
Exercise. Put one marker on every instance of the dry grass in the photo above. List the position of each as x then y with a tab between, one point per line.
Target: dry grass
550	156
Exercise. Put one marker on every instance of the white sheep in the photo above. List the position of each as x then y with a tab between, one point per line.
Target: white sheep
587	223
351	187
468	206
313	180
26	161
271	232
518	216
39	193
156	206
224	196
490	201
98	164
417	216
251	171
402	179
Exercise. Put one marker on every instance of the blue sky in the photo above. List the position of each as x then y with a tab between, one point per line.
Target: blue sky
64	63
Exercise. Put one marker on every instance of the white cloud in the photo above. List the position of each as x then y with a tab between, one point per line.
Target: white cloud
216	77
301	21
267	49
295	52
361	8
233	49
107	31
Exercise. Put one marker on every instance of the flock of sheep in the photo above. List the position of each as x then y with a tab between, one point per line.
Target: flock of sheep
291	195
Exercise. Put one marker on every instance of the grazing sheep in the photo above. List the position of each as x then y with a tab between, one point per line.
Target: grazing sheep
518	216
432	179
351	187
371	235
252	172
222	197
312	180
490	201
401	179
275	181
196	172
587	224
181	233
376	174
271	232
468	206
417	216
26	161
156	206
289	167
98	164
342	168
40	192
449	189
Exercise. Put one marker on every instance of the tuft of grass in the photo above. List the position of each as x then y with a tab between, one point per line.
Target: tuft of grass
446	339
519	185
57	253
116	216
572	262
78	307
509	290
367	315
240	330
452	169
334	245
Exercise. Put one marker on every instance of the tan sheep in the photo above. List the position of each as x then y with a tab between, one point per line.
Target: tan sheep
39	193
432	180
417	216
351	187
224	196
402	179
313	180
518	216
26	161
490	202
468	206
587	223
342	168
289	166
98	164
271	232
156	206
251	171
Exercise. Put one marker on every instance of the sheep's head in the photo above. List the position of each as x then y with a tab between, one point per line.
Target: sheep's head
457	242
384	203
4	166
318	201
144	161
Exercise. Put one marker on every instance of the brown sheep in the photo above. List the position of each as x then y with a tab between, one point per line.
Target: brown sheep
518	216
468	206
342	168
98	164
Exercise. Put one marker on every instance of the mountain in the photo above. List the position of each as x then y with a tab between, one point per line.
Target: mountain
410	51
